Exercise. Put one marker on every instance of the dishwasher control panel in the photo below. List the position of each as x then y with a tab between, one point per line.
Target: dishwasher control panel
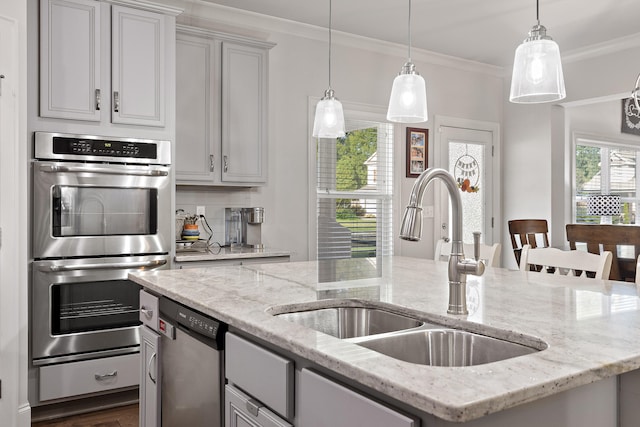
197	322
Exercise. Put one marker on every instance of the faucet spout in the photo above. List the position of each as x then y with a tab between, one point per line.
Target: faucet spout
411	229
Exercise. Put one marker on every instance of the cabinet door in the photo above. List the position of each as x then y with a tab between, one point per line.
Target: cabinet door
137	67
243	411
197	112
244	113
149	378
70	59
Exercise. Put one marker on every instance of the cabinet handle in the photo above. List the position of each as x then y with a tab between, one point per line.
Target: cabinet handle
116	101
226	163
101	377
98	99
1	78
153	356
147	313
211	164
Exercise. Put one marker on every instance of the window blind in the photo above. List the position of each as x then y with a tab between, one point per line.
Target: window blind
354	191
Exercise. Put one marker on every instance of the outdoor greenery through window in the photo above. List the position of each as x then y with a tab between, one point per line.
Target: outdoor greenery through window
354	192
605	167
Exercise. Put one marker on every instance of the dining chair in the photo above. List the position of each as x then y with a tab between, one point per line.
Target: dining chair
568	263
491	253
532	232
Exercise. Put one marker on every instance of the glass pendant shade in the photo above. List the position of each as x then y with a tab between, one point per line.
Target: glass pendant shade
329	119
408	100
537	70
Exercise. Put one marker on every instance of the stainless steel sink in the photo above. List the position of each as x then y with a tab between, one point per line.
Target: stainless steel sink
350	322
418	338
446	347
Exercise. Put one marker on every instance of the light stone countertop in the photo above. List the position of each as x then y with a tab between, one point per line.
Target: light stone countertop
592	327
227	253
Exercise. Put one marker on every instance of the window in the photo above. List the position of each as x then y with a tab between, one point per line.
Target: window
605	167
354	191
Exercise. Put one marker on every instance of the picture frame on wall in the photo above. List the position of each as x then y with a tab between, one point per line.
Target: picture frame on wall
417	151
630	117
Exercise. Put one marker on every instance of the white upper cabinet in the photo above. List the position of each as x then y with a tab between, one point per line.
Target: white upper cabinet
197	112
137	68
80	81
221	109
244	113
70	59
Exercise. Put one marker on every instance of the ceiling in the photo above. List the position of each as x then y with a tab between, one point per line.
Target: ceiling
486	31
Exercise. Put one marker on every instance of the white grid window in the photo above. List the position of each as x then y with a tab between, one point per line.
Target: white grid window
354	191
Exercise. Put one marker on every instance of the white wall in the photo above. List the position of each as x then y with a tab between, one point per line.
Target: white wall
362	73
537	140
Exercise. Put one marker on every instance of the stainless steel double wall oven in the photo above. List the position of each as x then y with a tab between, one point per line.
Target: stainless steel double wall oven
101	209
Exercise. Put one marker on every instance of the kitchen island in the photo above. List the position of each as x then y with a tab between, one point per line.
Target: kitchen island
585	376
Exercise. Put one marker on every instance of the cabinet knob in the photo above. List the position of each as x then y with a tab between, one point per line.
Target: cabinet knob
147	313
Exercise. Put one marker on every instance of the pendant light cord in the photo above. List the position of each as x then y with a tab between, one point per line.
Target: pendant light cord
538	11
329	44
409	26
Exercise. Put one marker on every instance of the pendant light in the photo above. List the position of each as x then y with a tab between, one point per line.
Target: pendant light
537	68
329	119
408	100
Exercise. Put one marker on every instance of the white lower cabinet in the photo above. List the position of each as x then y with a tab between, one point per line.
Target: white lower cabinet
89	376
243	411
325	403
149	402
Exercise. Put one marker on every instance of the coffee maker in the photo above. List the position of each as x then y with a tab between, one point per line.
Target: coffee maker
244	227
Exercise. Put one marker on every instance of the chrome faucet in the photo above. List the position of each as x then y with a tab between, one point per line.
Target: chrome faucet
459	267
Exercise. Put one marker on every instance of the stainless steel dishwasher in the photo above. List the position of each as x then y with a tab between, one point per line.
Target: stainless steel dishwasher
192	366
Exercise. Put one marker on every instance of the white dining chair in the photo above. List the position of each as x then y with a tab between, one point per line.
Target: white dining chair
490	253
568	263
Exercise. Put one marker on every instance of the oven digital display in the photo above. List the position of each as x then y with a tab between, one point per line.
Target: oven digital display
104	148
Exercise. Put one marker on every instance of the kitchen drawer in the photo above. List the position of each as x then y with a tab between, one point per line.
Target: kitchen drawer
149	309
324	403
263	374
240	410
89	376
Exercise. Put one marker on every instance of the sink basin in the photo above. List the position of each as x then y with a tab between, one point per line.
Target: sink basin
351	322
415	338
446	347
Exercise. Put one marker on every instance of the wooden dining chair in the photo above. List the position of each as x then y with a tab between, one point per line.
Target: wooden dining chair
491	253
532	232
568	263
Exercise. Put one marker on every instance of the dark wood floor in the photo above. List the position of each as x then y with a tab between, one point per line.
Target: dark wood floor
124	416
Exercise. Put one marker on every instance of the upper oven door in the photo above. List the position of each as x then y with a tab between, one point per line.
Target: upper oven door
83	209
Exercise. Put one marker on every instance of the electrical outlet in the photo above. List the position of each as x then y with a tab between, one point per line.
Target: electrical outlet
427	212
200	210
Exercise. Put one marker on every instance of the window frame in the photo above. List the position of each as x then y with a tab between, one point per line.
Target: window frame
353	111
603	142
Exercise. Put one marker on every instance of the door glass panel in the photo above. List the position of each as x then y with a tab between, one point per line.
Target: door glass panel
82	307
104	211
468	165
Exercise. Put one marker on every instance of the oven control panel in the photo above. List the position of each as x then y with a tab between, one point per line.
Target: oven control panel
101	147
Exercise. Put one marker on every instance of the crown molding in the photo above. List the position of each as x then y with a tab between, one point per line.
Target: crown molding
251	24
167	7
600	49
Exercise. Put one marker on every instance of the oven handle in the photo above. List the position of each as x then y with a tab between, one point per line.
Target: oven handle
114	266
74	169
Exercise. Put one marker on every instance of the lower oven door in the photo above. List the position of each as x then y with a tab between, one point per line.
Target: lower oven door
86	308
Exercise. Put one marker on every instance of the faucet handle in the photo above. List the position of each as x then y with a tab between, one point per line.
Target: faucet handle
476	245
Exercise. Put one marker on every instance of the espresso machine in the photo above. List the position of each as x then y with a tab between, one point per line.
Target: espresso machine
244	227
